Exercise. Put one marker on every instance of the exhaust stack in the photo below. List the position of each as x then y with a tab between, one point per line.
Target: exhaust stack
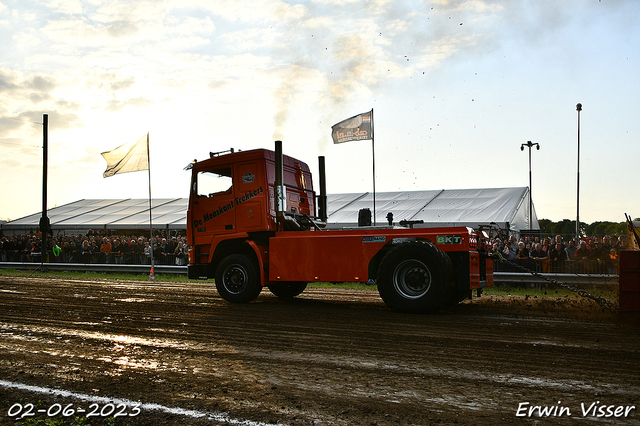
280	191
322	198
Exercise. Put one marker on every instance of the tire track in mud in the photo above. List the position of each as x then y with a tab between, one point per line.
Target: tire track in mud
332	356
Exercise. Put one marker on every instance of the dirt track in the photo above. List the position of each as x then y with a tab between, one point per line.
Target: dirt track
331	357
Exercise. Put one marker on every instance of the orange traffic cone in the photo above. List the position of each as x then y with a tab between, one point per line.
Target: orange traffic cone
152	277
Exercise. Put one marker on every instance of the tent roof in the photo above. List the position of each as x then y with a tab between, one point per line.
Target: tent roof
459	207
506	207
110	214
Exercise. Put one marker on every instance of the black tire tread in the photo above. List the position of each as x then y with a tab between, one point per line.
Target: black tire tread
439	266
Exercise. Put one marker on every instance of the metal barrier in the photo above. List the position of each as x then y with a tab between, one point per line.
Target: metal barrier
96	258
97	267
499	277
573	279
568	267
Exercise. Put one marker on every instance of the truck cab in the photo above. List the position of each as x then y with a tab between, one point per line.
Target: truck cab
232	197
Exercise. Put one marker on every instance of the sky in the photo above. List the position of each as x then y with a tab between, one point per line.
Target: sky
456	87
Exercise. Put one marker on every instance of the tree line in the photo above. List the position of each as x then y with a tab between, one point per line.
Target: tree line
568	227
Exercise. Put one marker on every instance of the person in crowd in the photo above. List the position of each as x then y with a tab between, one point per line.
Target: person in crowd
523	255
86	251
558	240
180	253
66	250
500	244
162	251
538	254
116	251
147	253
625	243
170	248
25	249
495	248
9	248
523	252
105	249
601	257
545	245
558	257
571	249
33	253
617	242
510	251
140	251
125	249
540	257
583	252
18	248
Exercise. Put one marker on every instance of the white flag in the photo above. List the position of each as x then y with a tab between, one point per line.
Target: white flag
130	157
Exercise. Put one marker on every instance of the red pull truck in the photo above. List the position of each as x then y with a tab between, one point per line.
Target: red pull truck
263	230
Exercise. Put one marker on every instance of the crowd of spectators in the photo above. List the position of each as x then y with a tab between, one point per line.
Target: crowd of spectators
586	255
96	247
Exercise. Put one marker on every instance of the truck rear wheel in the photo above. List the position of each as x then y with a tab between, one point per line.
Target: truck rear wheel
288	290
237	279
413	277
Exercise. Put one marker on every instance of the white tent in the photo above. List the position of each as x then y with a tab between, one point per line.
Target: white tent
504	207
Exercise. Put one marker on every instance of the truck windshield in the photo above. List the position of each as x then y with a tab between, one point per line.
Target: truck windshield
210	183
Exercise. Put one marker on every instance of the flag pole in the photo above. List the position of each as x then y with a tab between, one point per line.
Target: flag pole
151	274
373	149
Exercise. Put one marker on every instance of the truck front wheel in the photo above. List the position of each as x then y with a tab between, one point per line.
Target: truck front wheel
237	279
413	277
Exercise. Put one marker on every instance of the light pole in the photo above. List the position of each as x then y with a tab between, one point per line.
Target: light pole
578	108
530	145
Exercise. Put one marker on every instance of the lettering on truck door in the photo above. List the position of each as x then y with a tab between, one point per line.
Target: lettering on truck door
249	200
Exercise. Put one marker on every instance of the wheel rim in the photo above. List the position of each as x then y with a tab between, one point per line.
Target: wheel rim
235	278
412	279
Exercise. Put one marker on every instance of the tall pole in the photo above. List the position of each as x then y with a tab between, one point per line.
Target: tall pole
44	221
530	190
530	145
374	169
578	108
152	275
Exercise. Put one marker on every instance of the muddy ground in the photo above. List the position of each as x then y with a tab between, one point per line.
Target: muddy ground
330	357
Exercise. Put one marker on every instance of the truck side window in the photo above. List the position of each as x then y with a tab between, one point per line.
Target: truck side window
210	183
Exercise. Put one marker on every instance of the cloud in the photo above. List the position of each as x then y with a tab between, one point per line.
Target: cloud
122	29
115	105
31	96
250	39
7	83
12	82
122	83
23	99
69	7
234	11
40	83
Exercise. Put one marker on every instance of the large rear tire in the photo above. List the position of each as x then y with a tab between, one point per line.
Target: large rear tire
288	290
414	277
237	279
